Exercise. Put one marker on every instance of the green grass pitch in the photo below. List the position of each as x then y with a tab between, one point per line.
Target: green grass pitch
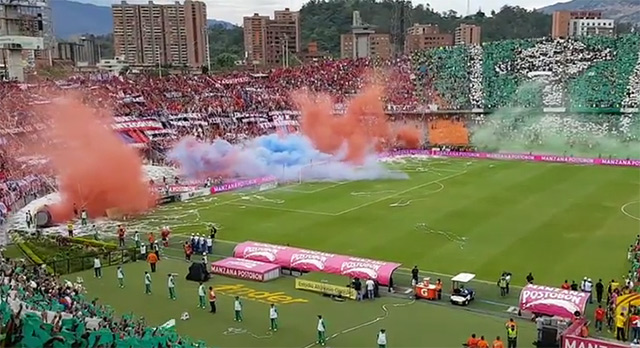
557	221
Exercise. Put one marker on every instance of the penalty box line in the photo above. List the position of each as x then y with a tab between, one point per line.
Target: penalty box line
400	193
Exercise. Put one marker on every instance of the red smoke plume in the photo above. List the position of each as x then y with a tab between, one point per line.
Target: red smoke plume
96	170
363	128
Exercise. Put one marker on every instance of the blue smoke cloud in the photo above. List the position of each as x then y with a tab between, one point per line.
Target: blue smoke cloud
289	158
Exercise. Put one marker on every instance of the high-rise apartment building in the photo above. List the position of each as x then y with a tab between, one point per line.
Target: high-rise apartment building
425	36
561	21
153	34
468	34
272	41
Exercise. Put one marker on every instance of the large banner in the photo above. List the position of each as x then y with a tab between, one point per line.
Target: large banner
518	157
552	301
317	261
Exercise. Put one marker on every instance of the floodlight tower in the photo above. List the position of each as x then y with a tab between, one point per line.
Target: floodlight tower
25	25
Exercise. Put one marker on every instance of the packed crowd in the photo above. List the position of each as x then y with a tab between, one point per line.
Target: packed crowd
570	134
592	72
595	72
40	310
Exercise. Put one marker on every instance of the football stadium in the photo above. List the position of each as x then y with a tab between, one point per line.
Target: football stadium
465	196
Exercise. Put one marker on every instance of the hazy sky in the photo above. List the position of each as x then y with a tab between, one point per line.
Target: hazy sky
233	10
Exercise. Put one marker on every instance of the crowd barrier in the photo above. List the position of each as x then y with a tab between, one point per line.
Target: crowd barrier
235	185
518	157
316	261
246	269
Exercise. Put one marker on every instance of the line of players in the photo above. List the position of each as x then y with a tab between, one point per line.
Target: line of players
381	337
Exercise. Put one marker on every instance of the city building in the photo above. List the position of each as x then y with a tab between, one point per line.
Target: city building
590	27
82	51
153	34
272	41
255	38
363	41
421	29
116	65
468	34
313	54
425	36
26	36
562	24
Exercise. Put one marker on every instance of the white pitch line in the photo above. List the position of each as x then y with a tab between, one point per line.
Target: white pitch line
328	187
624	207
283	209
399	193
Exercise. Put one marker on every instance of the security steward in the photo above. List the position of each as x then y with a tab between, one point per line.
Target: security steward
512	337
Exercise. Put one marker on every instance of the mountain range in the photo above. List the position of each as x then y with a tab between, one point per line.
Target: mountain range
75	18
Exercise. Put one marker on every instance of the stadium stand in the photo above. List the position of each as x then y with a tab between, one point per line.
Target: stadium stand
42	311
595	80
593	72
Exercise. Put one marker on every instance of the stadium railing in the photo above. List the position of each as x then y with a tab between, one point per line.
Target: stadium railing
69	265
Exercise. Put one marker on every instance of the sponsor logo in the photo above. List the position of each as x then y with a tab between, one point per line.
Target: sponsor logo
238	273
251	294
356	267
265	252
309	259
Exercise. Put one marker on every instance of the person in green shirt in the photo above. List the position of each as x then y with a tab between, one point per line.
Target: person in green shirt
120	275
273	317
201	296
171	284
147	283
322	331
237	307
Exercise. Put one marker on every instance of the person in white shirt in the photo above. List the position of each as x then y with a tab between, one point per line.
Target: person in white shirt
84	217
201	296
209	245
136	238
322	331
120	275
147	283
370	285
382	338
588	286
143	251
273	317
97	267
237	309
171	284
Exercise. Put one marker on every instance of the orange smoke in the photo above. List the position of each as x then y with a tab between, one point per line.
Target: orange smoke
362	129
96	170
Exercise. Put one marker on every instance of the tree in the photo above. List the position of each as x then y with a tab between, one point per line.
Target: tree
226	40
225	60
